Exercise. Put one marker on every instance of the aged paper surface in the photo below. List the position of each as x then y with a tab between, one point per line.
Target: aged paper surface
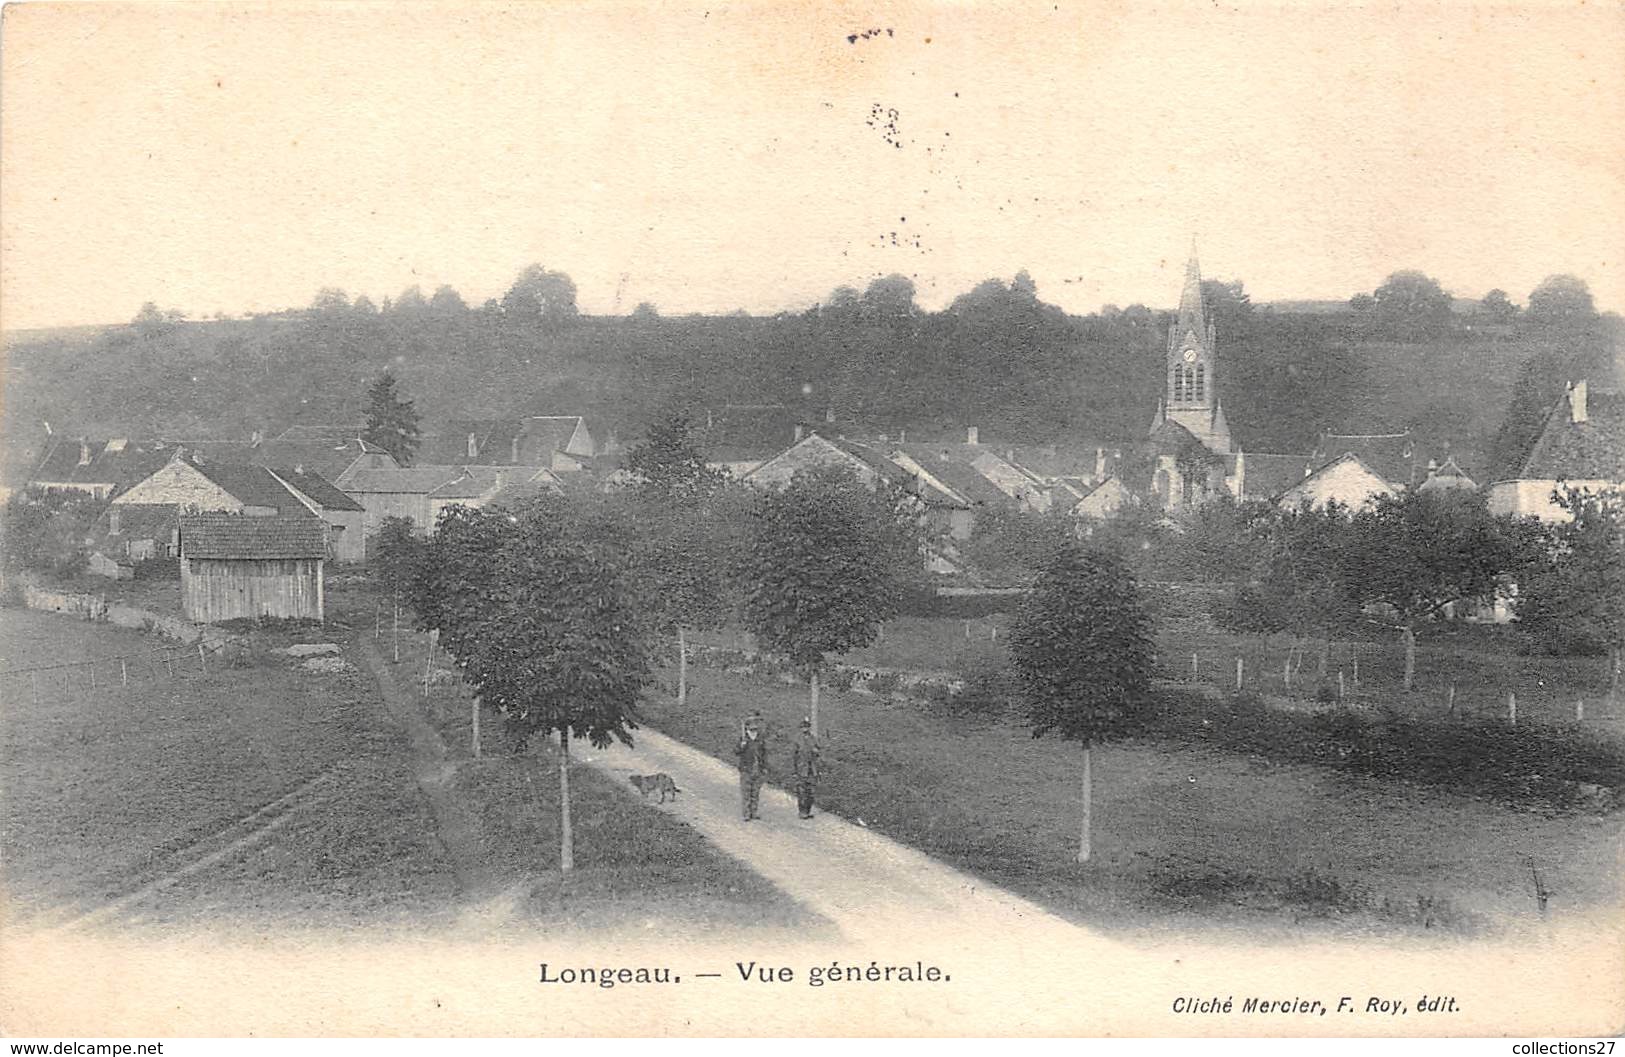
184	154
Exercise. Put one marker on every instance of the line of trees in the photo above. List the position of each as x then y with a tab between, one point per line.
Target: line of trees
553	610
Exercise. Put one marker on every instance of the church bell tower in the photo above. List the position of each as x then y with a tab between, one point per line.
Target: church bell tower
1192	397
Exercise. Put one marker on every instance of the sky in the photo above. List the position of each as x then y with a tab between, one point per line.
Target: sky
234	158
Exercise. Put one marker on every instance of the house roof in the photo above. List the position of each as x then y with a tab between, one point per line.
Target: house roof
251	485
1064	460
948	464
554	431
1391	456
140	520
328	458
236	536
317	489
475	482
414	479
1266	475
118	462
1171	438
1593	450
878	461
329	434
493	439
1328	467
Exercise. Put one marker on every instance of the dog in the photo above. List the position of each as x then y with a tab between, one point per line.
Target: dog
655	783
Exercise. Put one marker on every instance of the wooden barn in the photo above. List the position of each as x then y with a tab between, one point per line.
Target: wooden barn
236	566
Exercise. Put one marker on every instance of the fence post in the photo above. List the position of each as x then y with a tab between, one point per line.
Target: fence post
1450	699
169	664
202	664
1580	710
1340	684
428	664
1238	675
967	629
33	679
397	633
474	717
123	672
1195	676
1356	668
1286	672
1512	708
378	622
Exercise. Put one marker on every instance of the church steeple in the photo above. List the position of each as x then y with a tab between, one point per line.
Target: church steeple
1192	319
1192	366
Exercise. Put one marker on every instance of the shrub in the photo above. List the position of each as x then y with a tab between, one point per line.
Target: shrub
989	689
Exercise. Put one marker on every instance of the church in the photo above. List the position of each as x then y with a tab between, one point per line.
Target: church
1192	457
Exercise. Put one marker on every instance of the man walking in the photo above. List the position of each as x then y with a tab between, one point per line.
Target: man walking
806	767
752	752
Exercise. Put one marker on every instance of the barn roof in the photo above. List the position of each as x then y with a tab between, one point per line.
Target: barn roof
1593	450
225	536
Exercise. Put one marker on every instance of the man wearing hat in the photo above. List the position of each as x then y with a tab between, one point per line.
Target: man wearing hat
806	767
752	752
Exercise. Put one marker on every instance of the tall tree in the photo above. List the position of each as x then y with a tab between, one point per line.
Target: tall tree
1498	307
826	564
668	464
1561	299
1572	596
1409	306
1412	555
446	302
539	297
537	611
392	422
1082	650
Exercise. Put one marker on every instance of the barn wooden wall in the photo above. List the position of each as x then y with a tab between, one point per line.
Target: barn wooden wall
215	589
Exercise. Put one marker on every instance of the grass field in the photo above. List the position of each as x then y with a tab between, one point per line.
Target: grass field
261	794
1476	660
1184	837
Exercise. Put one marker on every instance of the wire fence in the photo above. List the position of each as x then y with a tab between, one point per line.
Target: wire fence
116	672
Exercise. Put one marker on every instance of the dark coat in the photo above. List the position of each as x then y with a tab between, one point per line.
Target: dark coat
752	754
806	755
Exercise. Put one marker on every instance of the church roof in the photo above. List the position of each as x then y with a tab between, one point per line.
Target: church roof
1267	475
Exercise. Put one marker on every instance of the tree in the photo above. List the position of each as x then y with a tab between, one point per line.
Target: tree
1498	307
392	423
46	529
668	464
539	297
1081	646
1410	305
1561	299
396	555
1572	596
330	299
1289	580
889	301
1015	546
446	302
410	301
150	322
826	564
541	620
569	652
683	550
1410	556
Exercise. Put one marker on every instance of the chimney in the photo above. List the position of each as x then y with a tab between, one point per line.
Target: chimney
902	436
1577	402
84	453
710	420
1100	464
799	429
971	436
256	438
514	457
829	415
885	439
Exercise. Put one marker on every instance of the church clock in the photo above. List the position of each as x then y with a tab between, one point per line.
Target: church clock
1190	355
